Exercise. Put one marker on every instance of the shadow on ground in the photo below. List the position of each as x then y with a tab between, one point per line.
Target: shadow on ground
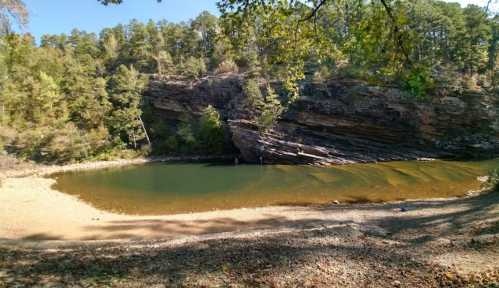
475	216
274	252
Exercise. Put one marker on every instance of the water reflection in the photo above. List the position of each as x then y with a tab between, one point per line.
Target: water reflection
157	189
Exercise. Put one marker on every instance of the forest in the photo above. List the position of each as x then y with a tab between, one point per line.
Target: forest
79	96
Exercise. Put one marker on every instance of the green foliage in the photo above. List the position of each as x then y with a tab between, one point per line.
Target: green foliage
126	92
164	63
190	136
79	96
379	41
66	144
186	137
418	82
227	66
253	94
60	105
494	180
194	68
211	134
271	110
266	109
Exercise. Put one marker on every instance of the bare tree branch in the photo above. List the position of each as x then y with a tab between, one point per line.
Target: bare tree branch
314	11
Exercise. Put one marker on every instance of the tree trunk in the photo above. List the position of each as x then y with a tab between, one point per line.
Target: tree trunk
145	131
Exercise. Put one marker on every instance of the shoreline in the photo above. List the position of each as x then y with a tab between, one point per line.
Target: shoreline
433	239
26	169
47	170
42	213
439	240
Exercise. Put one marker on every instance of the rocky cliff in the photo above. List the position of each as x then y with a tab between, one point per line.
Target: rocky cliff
342	121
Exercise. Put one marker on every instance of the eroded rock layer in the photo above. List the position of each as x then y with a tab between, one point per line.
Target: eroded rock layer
343	121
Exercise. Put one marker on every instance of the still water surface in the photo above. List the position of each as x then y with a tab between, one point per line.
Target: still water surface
158	189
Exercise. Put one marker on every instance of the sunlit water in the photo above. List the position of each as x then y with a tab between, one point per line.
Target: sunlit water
157	189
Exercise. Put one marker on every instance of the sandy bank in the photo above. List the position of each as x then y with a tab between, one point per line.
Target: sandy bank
31	210
439	242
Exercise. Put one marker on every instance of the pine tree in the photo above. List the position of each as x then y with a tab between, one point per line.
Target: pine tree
125	94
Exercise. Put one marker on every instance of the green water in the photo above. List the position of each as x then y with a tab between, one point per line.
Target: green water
157	189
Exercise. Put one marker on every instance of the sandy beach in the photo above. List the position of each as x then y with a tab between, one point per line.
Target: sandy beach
30	209
435	242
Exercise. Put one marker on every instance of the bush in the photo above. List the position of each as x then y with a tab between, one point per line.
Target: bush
253	93
494	180
227	66
271	110
211	134
194	68
418	81
322	74
170	144
62	145
186	138
7	135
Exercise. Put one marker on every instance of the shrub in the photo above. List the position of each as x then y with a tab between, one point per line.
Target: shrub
494	180
194	68
271	110
170	144
253	93
322	74
227	66
211	134
7	135
249	63
186	137
417	82
62	145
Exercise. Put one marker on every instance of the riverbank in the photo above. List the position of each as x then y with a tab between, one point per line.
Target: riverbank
13	168
50	238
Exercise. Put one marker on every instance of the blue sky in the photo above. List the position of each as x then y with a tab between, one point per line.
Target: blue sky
61	16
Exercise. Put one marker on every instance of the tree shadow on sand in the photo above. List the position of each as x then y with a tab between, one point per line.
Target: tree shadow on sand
275	251
440	218
317	257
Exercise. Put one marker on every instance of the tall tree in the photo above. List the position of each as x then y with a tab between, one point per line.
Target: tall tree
125	94
12	10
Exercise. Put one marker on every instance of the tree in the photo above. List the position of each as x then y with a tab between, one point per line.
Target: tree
211	134
125	94
164	63
82	85
271	110
139	48
12	10
477	32
254	97
207	25
493	54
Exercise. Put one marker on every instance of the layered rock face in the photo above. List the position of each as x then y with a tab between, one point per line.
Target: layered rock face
339	122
